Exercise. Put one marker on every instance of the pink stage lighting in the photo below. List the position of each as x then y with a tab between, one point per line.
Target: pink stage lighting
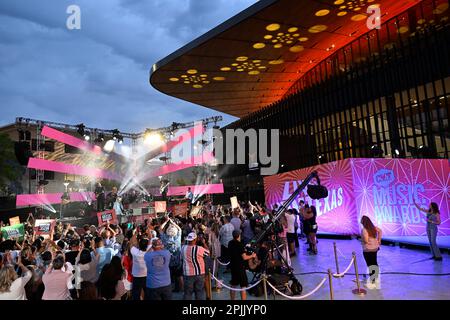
197	189
23	200
70	140
47	165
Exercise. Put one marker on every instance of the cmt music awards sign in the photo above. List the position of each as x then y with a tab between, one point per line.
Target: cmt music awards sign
383	189
44	227
107	216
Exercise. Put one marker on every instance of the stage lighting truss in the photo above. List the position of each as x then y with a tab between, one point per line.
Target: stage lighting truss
81	129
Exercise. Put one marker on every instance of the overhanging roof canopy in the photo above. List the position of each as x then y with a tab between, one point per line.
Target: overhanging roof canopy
251	60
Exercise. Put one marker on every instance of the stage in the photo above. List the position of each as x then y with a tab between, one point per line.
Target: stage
418	241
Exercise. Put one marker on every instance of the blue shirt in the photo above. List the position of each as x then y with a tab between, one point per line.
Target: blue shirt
158	272
105	256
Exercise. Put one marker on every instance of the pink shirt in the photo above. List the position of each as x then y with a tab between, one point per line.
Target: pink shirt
372	244
193	260
55	282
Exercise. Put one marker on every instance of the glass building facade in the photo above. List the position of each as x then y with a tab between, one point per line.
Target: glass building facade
386	94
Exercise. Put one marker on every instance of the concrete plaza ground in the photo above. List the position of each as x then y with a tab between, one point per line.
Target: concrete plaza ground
391	260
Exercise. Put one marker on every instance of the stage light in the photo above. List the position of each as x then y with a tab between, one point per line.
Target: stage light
425	152
376	151
153	139
81	127
397	152
87	136
109	145
100	138
203	142
322	159
116	134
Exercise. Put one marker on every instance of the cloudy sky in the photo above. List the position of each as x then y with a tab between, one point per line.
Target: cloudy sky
99	75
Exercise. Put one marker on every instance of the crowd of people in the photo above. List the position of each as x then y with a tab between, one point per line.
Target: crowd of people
163	255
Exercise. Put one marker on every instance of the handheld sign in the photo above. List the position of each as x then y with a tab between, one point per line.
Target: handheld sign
195	211
14	220
16	232
160	206
44	227
180	209
234	202
107	216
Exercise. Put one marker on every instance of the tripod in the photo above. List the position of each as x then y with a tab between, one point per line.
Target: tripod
271	246
295	286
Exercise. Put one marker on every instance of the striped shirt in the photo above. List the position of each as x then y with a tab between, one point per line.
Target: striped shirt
193	260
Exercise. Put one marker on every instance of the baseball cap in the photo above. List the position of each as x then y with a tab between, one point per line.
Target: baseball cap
191	236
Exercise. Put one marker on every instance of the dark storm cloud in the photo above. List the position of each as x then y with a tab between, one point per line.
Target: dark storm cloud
99	74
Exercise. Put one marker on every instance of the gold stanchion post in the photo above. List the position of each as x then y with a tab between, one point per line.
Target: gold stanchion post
359	291
330	280
210	285
265	286
336	260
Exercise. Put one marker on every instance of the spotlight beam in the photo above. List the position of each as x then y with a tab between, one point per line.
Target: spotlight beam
190	134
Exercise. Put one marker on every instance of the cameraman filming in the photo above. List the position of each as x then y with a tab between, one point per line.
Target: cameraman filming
238	257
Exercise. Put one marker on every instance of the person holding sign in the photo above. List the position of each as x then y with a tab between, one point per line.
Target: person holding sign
139	267
12	287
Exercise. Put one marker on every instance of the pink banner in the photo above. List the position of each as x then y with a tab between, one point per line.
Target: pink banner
383	189
70	140
48	165
336	213
51	198
197	189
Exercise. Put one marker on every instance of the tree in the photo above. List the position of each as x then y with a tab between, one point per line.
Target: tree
9	168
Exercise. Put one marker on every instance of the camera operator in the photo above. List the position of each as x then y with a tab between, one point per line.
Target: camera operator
238	256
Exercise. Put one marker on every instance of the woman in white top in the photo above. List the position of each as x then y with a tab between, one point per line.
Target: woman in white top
12	287
371	241
139	268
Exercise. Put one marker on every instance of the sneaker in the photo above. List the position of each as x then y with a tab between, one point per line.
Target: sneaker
370	285
437	258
